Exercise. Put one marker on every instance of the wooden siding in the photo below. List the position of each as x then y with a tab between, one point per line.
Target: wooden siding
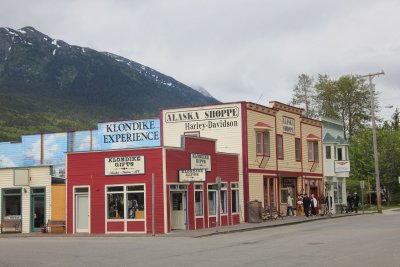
310	167
39	177
58	201
256	187
228	139
288	163
254	117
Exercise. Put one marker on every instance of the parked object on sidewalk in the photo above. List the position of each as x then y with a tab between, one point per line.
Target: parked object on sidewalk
11	225
255	211
55	227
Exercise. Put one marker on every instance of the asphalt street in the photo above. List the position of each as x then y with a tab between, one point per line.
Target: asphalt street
366	240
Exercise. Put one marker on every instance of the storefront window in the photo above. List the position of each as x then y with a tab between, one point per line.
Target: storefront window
12	204
212	202
198	200
224	199
235	197
337	192
135	202
135	205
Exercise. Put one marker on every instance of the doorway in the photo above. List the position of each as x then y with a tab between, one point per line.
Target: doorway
38	209
178	211
82	216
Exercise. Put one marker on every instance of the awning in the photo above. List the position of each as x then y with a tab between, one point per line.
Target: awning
262	125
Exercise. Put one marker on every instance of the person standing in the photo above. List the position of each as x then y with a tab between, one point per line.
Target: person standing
349	203
289	205
314	205
306	205
356	201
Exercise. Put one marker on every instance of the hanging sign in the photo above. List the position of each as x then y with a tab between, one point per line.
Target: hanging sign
198	175
125	165
200	161
342	166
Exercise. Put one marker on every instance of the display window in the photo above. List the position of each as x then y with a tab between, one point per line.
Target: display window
235	197
198	200
212	200
224	198
125	202
12	204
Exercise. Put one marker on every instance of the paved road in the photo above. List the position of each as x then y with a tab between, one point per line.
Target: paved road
368	240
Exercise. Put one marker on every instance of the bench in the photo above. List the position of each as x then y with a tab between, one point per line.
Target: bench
55	224
14	224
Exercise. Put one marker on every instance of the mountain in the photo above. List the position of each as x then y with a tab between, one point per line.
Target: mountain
50	85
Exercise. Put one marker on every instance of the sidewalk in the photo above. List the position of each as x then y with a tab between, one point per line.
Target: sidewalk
254	226
202	232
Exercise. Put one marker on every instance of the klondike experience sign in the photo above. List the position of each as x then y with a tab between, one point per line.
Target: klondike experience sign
205	119
129	134
124	165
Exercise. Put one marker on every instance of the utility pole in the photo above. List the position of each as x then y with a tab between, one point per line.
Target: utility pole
375	143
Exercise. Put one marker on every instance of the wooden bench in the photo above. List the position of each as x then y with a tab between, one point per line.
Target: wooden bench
14	224
55	224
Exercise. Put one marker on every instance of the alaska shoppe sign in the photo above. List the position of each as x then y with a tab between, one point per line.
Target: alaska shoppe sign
125	165
129	134
205	119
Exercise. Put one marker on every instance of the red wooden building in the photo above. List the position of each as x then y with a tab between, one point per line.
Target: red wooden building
112	191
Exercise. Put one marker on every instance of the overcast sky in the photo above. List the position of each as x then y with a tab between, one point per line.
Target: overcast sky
238	50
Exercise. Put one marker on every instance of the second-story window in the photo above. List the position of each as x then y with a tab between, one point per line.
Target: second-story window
263	143
328	152
313	151
339	154
297	144
279	139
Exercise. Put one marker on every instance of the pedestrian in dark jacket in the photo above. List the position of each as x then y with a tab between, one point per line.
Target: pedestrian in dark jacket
306	205
356	202
349	203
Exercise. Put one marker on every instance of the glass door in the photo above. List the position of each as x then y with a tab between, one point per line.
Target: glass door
38	208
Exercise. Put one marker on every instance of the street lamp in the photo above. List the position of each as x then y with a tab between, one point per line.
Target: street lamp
375	143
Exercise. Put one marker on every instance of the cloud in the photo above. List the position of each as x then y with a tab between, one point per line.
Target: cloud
237	50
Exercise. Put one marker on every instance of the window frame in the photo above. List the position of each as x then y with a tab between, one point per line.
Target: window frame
313	151
279	137
297	149
235	191
125	192
263	148
199	188
328	152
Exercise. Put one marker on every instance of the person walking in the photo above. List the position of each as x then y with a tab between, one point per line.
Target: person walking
356	202
289	205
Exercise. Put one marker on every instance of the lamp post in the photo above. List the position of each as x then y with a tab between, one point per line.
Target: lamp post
375	143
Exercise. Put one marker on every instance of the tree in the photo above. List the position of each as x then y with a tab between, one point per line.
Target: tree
345	99
304	95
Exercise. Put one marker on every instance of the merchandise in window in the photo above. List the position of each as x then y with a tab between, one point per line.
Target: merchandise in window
134	204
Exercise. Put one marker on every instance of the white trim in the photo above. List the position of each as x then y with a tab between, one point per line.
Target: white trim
125	220
74	207
164	188
194	201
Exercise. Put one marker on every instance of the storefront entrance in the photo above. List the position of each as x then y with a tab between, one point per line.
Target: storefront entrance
82	210
38	209
178	210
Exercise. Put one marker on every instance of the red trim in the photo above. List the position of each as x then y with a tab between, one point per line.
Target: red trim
261	124
312	136
245	148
